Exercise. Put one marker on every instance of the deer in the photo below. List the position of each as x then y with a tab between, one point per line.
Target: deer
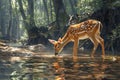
88	29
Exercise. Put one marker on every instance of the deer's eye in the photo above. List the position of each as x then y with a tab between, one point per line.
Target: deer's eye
58	45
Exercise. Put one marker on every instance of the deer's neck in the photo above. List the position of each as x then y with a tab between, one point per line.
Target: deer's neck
65	39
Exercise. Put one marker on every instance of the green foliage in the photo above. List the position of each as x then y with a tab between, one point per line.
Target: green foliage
116	3
115	33
111	3
40	14
88	6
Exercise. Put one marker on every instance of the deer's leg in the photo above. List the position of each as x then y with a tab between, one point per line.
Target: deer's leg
101	41
75	48
95	42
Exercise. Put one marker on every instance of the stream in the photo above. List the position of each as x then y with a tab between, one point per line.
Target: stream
47	67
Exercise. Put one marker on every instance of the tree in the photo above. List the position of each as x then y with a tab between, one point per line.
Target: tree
61	16
46	10
72	4
10	21
28	20
35	34
4	18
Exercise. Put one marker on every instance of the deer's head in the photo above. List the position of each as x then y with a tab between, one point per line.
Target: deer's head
58	46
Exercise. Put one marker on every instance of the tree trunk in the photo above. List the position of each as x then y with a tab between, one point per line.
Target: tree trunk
4	18
61	16
9	34
29	22
72	7
34	35
23	14
51	11
46	10
31	13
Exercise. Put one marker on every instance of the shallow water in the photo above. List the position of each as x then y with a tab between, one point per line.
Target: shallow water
60	68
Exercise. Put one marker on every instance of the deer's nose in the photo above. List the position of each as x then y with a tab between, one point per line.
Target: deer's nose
56	54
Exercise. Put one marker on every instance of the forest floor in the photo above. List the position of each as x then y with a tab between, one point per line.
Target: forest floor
37	62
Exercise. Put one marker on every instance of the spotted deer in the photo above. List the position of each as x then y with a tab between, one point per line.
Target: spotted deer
87	29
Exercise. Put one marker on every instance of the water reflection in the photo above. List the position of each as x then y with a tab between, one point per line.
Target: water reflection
59	68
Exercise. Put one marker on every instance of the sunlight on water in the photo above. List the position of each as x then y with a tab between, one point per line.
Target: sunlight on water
59	68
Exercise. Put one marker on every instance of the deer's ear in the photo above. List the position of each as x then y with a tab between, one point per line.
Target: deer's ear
52	41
